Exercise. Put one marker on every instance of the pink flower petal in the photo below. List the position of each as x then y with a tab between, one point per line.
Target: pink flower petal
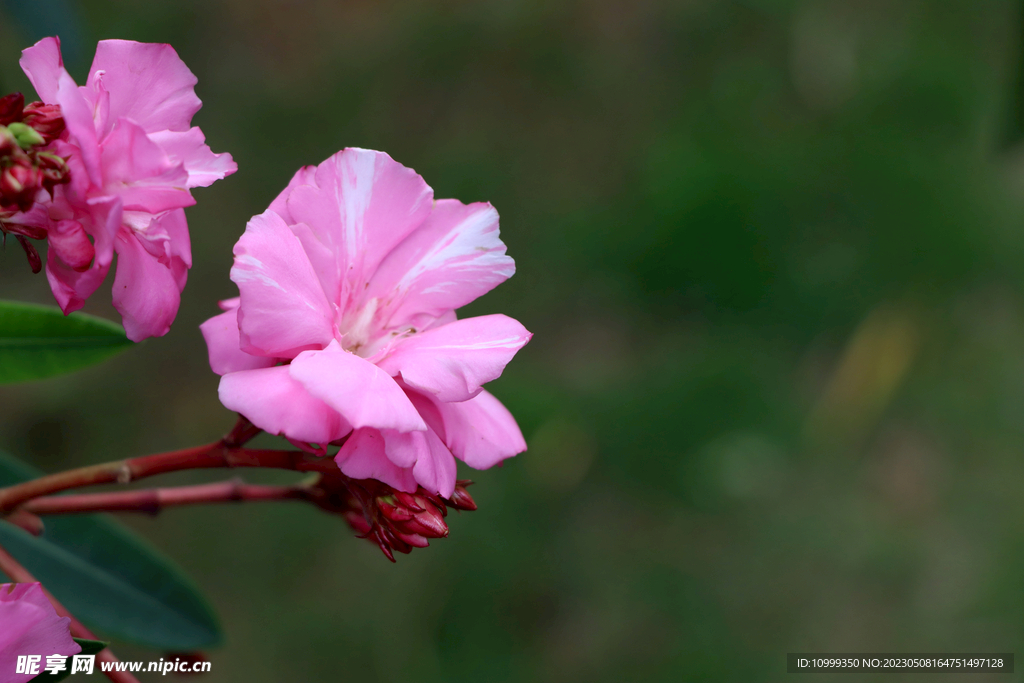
73	196
43	65
70	287
189	148
221	335
164	235
229	304
139	172
70	243
179	243
276	403
320	257
284	310
29	625
81	130
363	205
304	176
361	392
431	463
435	467
452	362
481	432
146	292
148	83
362	456
166	238
404	448
450	260
102	220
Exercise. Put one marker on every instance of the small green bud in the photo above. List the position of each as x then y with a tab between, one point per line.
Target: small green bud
26	136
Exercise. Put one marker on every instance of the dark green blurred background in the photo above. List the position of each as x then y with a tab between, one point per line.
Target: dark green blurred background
773	256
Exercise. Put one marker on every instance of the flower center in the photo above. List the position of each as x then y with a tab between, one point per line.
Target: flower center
355	330
360	333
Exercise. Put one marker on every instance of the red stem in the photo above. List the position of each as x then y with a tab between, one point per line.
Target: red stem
220	454
152	501
18	574
228	452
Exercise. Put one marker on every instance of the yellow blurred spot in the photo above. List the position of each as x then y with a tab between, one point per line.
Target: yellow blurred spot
872	368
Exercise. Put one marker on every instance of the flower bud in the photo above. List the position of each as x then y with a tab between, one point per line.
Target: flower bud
415	540
26	135
435	500
8	143
396	521
19	183
11	108
34	262
45	119
384	545
409	501
429	528
54	169
394	542
429	523
395	514
358	522
461	500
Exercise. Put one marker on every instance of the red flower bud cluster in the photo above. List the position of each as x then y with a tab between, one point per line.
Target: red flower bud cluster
45	119
11	108
25	168
394	520
20	181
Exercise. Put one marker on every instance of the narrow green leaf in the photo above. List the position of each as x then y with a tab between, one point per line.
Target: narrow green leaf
39	341
91	647
111	579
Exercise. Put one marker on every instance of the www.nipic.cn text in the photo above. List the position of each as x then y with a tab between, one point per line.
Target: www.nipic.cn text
86	664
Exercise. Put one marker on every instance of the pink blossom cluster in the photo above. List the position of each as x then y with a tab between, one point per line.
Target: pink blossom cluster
133	159
344	334
345	331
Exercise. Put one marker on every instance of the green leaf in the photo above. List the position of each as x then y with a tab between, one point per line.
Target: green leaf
39	341
111	579
89	647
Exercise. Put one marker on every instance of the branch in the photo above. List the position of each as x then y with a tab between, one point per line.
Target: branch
18	574
219	454
152	501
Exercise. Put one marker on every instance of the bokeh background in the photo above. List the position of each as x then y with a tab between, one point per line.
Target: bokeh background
773	255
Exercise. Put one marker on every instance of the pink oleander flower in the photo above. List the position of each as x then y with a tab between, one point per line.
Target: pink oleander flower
133	159
345	327
29	625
